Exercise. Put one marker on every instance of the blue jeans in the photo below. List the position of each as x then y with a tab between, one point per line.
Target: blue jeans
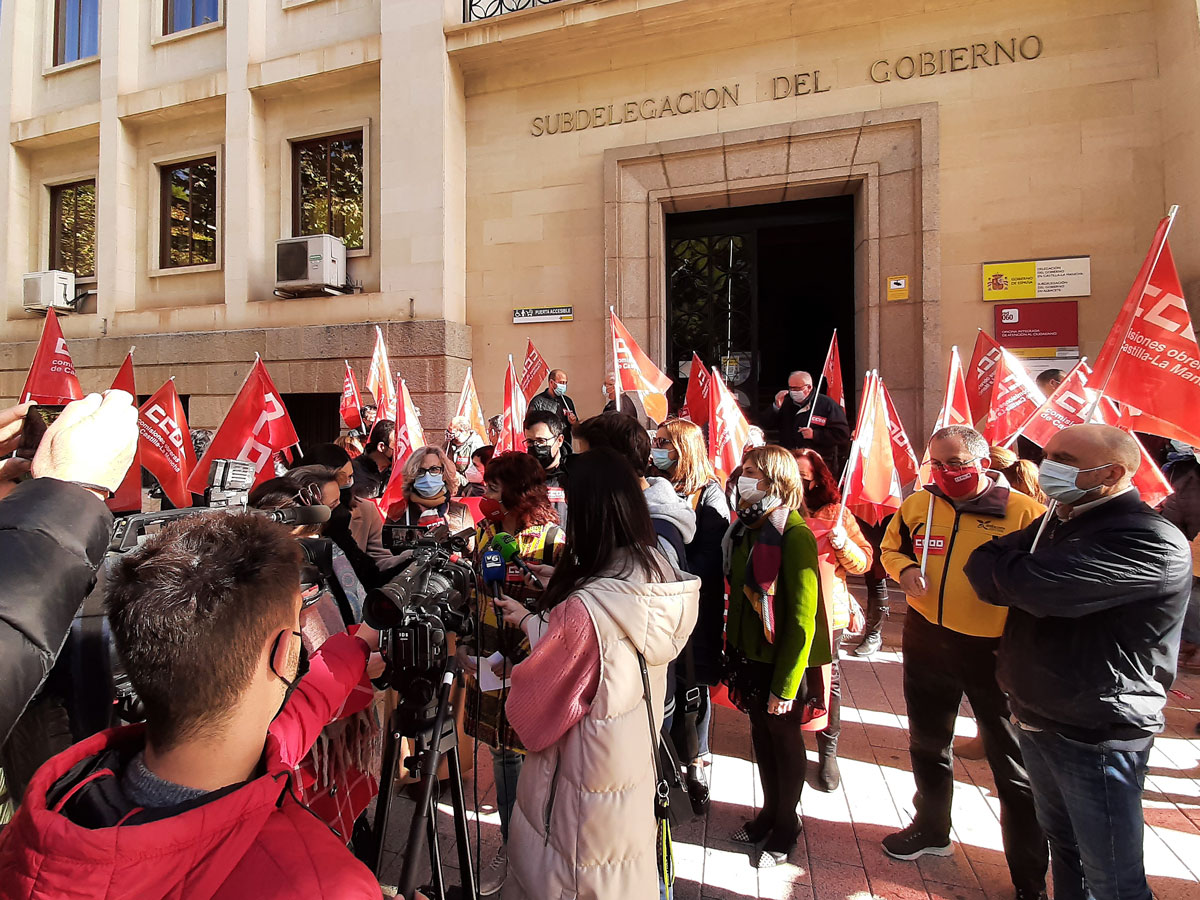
1191	617
506	769
1089	803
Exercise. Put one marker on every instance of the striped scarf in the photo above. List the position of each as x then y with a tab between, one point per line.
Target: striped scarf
762	565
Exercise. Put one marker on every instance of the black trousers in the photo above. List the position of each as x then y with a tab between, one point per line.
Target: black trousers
782	761
834	726
941	665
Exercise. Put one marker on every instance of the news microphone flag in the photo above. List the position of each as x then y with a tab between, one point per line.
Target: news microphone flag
351	406
51	379
128	496
165	443
256	427
533	372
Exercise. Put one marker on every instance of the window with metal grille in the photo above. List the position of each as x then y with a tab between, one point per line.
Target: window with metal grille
188	227
327	187
73	228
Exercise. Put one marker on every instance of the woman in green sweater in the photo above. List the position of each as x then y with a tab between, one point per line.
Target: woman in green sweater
774	632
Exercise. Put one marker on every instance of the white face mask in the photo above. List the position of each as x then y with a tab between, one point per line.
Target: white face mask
749	491
473	474
798	396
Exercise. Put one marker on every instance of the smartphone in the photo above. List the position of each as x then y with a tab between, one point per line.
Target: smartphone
37	420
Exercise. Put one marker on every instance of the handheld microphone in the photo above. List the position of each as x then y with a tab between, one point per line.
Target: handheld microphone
317	514
510	550
493	570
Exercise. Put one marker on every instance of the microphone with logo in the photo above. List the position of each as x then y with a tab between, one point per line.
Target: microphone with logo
510	550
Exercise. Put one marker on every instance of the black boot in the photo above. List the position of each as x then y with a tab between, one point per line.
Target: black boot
877	611
829	776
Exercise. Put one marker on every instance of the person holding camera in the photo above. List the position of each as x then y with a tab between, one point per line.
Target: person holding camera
515	502
584	823
54	530
201	800
430	485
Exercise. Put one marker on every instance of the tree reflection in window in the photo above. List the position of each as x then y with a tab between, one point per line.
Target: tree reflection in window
328	187
189	218
73	228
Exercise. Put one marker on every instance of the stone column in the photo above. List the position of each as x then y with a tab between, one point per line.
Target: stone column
19	60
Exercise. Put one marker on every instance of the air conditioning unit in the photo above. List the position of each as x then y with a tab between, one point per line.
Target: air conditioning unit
313	262
54	289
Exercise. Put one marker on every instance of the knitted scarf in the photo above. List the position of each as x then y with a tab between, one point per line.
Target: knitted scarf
428	502
762	565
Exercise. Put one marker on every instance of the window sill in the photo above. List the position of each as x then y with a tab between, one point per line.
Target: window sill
71	66
185	270
296	4
360	253
186	33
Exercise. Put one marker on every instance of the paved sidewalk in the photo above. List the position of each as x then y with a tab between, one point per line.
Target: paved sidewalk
838	855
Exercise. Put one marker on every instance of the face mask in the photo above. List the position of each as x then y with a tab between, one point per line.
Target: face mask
1058	481
491	509
543	453
749	491
429	485
560	390
661	457
349	484
301	670
473	474
957	482
798	396
604	390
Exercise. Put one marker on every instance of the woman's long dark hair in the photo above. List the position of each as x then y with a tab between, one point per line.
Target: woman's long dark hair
606	513
523	491
824	488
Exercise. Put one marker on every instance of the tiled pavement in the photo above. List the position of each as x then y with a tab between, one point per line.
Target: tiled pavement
838	855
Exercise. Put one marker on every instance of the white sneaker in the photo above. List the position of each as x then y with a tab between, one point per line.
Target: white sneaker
492	878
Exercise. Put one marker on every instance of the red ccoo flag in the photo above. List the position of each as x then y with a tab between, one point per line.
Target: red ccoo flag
1150	360
728	430
533	372
635	372
351	408
379	380
51	379
128	496
981	376
956	408
409	436
873	484
695	404
902	451
165	443
832	373
1014	399
256	427
512	424
470	409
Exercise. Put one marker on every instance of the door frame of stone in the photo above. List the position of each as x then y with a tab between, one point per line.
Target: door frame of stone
886	159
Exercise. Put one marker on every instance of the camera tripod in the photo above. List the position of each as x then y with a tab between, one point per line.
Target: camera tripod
433	741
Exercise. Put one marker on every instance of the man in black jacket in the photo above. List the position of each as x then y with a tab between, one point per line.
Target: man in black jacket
1096	605
54	530
554	399
805	419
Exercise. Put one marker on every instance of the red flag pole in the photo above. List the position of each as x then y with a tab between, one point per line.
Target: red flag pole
816	390
612	330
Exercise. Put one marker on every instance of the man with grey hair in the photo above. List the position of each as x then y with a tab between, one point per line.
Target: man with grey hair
808	419
950	642
1096	593
461	443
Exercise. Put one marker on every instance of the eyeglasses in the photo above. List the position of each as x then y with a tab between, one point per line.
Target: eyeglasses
939	466
661	443
309	495
540	442
432	470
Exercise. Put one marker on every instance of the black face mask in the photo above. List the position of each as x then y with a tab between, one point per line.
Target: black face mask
301	671
542	453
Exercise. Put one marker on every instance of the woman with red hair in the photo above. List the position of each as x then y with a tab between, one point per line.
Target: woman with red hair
853	553
515	501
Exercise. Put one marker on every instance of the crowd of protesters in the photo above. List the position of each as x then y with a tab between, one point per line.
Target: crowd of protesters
1048	595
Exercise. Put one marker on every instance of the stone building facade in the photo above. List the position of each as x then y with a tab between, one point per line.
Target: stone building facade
545	156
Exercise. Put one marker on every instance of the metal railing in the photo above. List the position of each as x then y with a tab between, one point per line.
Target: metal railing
475	10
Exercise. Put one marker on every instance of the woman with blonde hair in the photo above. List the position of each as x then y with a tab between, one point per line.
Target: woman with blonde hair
776	630
681	455
1021	474
430	485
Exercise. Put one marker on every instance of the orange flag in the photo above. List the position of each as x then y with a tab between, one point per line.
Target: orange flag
51	379
379	380
634	371
165	443
832	373
728	430
533	372
351	406
902	451
128	497
409	436
256	427
1150	361
470	409
512	424
981	376
1015	397
695	404
873	485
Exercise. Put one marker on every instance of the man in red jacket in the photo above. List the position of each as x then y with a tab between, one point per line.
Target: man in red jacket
199	802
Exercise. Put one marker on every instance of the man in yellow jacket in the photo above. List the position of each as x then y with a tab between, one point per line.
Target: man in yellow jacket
950	642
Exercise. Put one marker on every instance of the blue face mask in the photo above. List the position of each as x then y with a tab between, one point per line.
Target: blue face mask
428	485
560	390
1058	481
661	457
